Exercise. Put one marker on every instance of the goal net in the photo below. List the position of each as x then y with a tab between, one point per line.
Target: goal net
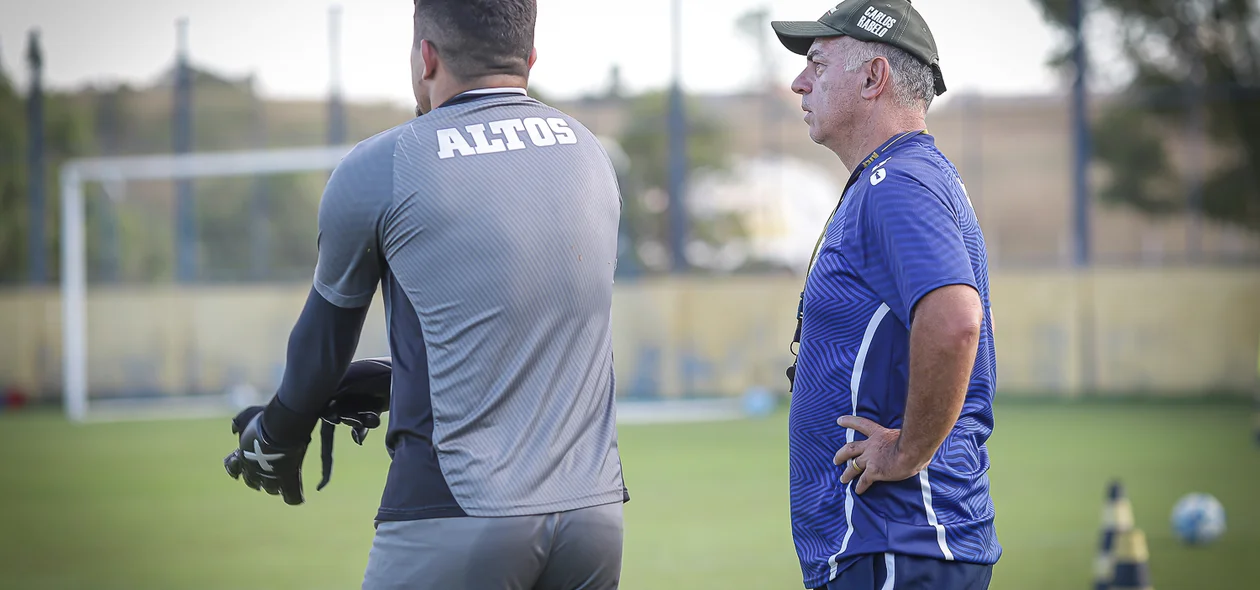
182	276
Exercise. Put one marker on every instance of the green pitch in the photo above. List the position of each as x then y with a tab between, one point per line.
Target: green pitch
147	505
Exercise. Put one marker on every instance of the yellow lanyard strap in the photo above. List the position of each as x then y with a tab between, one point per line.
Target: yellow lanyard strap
857	173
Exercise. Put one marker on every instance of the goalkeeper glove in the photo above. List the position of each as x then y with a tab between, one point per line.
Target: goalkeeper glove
263	464
362	396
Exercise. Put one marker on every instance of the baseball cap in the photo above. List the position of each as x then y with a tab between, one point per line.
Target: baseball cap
894	22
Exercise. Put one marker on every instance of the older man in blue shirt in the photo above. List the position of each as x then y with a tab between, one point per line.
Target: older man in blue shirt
893	386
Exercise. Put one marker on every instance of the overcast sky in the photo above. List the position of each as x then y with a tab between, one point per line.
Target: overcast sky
994	46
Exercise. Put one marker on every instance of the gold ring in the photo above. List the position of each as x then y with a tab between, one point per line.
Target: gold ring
856	466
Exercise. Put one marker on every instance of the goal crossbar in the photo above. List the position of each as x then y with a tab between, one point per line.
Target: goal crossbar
75	173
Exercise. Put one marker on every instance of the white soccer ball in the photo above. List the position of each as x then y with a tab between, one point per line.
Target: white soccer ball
1198	519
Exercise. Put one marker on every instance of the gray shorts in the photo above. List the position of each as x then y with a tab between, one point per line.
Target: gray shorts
576	550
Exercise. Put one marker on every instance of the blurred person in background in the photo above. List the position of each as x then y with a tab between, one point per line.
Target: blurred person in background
490	224
893	384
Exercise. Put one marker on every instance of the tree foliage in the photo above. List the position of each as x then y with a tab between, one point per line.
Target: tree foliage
645	140
66	135
261	228
12	181
130	226
1194	65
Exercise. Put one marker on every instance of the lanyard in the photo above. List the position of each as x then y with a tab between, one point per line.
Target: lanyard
794	348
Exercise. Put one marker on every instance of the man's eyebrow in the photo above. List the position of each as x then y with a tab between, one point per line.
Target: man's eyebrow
813	54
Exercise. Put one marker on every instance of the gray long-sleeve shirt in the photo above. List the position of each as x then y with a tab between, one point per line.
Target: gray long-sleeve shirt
490	225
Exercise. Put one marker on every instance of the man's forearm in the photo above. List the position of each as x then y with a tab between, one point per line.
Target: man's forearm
321	347
943	341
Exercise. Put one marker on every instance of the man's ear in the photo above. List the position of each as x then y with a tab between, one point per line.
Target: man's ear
429	54
533	57
878	77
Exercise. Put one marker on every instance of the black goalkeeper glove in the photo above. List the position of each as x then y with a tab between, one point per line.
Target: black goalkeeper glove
362	396
262	463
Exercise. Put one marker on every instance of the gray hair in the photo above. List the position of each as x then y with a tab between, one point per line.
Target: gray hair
912	80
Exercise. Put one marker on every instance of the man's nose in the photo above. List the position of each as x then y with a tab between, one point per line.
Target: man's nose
801	84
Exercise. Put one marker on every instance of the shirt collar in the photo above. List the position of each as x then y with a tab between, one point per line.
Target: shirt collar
892	142
497	90
469	95
883	150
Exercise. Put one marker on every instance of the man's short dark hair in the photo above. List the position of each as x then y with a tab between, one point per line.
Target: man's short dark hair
478	38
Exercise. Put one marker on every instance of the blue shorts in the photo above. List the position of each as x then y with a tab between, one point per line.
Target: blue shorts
886	571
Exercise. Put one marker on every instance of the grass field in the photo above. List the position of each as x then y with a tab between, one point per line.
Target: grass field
147	505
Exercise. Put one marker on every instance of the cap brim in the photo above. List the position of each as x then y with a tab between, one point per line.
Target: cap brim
797	36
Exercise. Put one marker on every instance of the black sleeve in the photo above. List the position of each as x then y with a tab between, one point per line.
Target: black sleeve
321	347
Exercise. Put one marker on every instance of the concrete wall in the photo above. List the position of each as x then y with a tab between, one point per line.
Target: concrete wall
1165	332
1162	332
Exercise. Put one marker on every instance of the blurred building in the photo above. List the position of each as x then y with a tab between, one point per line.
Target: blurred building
1014	154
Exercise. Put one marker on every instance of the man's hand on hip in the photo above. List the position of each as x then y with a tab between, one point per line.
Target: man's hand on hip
261	463
878	458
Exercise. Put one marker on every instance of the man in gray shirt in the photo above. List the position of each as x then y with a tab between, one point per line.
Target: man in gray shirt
490	224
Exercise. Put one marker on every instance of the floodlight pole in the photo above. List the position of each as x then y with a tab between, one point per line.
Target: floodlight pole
259	202
37	248
1081	139
336	103
677	151
185	207
1196	131
1087	348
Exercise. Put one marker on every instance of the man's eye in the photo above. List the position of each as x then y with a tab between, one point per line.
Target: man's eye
818	69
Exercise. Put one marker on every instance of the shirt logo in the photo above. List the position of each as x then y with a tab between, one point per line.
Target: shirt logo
541	132
876	22
880	173
262	458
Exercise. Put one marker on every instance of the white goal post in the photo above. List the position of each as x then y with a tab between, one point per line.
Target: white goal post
76	173
78	386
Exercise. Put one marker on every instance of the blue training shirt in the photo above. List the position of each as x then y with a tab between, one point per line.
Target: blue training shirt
904	228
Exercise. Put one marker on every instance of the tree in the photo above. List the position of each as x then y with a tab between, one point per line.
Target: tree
12	182
646	144
1194	64
66	136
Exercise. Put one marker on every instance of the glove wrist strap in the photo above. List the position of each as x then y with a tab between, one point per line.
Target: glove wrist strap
285	427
